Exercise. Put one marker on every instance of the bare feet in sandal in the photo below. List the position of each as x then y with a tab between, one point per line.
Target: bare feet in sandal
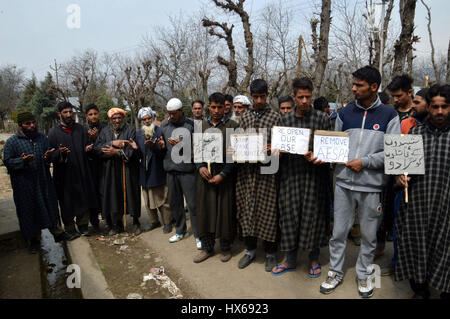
315	269
282	268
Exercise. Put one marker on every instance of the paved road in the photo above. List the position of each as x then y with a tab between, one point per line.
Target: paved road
215	279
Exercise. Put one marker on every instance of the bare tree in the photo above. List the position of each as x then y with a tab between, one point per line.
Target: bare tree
11	80
404	44
236	7
78	73
447	77
322	53
436	71
384	32
63	93
350	33
139	84
276	52
188	58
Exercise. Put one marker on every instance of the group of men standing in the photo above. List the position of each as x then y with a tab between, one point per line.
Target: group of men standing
104	168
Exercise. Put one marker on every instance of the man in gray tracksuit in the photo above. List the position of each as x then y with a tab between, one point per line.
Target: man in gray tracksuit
361	180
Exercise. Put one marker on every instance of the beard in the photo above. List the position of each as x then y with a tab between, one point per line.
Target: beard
420	115
149	131
68	121
31	134
117	126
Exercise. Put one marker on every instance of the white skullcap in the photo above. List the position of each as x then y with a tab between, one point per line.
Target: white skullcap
242	99
146	111
174	104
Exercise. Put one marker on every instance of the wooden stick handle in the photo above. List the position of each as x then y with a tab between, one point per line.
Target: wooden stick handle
406	195
124	197
406	188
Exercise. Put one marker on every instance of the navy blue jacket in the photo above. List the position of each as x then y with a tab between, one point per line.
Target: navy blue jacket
151	171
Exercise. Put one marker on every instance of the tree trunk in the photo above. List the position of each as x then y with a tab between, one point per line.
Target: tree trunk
378	49
231	64
436	71
322	58
404	43
249	45
447	78
410	60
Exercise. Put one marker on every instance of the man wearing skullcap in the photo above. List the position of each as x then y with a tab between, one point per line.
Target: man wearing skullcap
152	177
241	104
120	155
72	175
27	157
180	176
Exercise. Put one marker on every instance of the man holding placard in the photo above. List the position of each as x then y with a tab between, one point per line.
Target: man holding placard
256	195
423	224
360	181
305	188
215	187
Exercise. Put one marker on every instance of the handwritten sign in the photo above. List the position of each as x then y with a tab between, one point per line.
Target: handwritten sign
248	147
208	148
331	147
290	139
403	154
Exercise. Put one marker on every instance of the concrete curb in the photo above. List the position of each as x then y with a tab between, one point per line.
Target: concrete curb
93	282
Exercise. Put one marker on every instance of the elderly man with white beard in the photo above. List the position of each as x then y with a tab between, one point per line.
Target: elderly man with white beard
152	177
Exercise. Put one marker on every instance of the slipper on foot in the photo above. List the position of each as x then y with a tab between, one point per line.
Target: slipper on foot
283	270
313	269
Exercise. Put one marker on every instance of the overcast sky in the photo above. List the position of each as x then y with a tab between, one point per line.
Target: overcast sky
34	32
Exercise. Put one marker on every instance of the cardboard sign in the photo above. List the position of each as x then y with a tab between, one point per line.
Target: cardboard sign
403	155
248	147
208	147
290	139
331	147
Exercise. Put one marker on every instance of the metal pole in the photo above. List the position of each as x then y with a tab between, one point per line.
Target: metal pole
382	40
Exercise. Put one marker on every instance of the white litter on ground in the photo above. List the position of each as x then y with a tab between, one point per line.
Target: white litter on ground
161	279
119	241
134	296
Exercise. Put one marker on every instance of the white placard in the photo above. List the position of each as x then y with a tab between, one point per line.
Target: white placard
331	147
292	140
403	154
208	147
248	147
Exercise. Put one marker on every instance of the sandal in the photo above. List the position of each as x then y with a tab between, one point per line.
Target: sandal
313	269
283	270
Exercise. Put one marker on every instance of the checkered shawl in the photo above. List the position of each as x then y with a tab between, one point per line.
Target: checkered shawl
423	225
256	194
305	191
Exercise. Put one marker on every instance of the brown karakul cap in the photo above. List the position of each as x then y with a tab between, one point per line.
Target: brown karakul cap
23	117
